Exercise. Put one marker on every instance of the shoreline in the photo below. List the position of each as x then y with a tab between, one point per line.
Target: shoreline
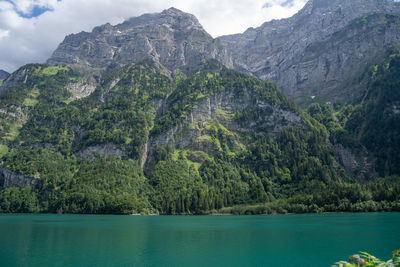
200	215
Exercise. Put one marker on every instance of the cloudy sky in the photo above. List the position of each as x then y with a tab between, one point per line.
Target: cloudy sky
31	29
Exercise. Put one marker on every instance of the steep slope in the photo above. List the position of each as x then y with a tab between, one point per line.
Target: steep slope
373	118
172	38
84	154
314	51
215	139
4	75
366	132
380	125
309	55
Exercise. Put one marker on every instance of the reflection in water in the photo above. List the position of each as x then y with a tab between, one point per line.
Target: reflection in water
287	240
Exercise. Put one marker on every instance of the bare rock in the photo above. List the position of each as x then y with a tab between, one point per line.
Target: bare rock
106	150
323	45
79	90
173	39
11	179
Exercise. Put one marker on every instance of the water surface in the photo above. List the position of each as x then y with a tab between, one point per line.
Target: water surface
274	240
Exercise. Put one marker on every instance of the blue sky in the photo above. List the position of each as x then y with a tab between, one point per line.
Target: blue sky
35	11
30	30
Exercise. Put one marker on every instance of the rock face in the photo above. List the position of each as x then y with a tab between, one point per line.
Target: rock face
234	110
172	38
308	55
320	47
218	111
80	90
18	77
106	150
4	75
360	165
11	179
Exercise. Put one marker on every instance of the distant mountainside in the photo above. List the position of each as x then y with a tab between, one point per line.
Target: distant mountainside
312	53
149	117
4	75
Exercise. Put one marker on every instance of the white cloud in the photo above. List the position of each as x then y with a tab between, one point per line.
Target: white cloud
3	34
27	40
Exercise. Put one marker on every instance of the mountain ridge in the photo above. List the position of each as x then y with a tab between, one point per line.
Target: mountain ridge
281	51
172	38
275	50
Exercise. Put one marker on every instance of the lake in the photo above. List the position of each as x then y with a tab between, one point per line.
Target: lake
272	240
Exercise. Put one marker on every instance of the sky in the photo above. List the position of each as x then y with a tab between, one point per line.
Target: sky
30	30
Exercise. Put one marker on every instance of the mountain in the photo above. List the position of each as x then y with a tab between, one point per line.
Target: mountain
172	38
143	142
314	52
147	117
312	56
4	75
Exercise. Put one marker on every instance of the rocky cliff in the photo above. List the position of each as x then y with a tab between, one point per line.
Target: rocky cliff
323	45
19	77
10	179
174	39
205	114
310	55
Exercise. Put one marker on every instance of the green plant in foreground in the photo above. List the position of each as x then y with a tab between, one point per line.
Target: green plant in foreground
366	259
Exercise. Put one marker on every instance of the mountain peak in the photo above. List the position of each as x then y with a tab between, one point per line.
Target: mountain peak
171	16
172	38
174	11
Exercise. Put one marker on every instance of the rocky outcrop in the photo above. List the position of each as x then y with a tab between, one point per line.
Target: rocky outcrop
313	52
217	113
174	39
17	78
79	90
106	150
359	164
11	179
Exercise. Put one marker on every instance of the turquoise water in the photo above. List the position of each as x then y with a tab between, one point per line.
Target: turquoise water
275	240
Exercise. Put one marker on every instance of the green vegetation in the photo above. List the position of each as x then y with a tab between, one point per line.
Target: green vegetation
3	149
366	259
17	199
371	121
381	195
217	142
53	70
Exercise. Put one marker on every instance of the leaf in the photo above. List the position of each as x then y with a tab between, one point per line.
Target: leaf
343	264
395	253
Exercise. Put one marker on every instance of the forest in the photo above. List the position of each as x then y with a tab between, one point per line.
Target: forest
232	161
